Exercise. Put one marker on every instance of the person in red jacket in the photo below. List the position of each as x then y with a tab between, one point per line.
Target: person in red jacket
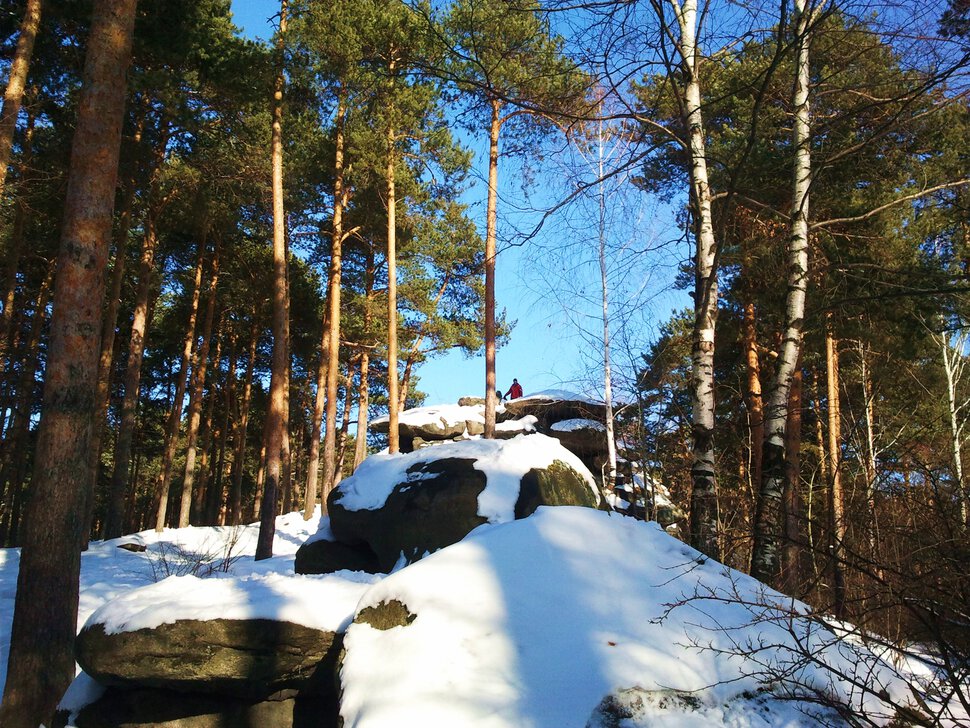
515	391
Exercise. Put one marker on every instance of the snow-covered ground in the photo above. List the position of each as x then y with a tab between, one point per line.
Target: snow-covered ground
571	617
109	573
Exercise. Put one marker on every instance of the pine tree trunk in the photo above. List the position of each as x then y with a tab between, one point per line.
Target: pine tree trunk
704	515
333	348
201	360
15	247
200	494
360	446
16	83
108	329
312	491
242	426
114	522
45	614
276	414
393	435
837	499
15	440
872	530
766	561
175	414
490	235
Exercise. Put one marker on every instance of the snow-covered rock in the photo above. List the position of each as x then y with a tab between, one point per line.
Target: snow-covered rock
406	505
576	617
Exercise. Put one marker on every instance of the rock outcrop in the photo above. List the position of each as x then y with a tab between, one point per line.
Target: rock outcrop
244	658
403	507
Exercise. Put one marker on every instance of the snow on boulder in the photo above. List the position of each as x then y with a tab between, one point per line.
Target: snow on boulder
440	422
406	505
577	617
248	636
555	405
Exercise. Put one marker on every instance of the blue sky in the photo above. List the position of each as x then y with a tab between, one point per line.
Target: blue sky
546	349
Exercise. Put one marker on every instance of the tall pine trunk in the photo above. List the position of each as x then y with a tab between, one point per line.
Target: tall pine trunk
491	208
164	480
766	561
363	394
114	522
333	347
836	496
199	364
241	430
276	414
41	663
393	435
16	83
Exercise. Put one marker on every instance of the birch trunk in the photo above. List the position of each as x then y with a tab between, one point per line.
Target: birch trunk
610	478
45	612
704	516
766	559
952	364
276	414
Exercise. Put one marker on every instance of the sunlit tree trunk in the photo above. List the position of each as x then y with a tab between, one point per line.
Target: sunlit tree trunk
604	289
837	499
16	83
41	662
490	251
276	414
242	426
766	561
199	367
114	521
393	437
363	394
704	516
794	516
175	414
953	362
333	348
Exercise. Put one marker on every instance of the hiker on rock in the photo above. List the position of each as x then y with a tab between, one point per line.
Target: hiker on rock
515	391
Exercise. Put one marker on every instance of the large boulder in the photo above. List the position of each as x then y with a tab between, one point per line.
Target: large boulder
251	658
554	406
139	707
407	505
325	557
433	424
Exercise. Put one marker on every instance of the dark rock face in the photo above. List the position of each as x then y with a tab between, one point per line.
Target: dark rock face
549	411
558	484
326	557
246	658
140	707
440	507
419	516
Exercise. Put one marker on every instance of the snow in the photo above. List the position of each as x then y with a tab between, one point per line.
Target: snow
578	424
526	624
111	577
560	395
523	424
444	414
533	623
504	462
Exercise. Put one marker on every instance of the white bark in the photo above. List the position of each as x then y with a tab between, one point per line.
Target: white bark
766	559
704	519
953	363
